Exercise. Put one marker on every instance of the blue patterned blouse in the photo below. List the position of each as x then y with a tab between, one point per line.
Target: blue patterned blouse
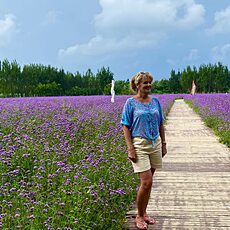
143	120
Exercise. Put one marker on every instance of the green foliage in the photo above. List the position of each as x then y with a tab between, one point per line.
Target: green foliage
40	80
160	87
122	87
174	82
48	89
208	79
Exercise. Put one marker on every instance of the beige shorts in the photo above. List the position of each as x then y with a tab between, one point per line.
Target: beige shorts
148	155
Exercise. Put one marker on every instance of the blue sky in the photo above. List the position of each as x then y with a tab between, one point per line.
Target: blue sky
125	35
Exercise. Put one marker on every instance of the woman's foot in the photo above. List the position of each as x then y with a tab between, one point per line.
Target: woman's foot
149	220
140	223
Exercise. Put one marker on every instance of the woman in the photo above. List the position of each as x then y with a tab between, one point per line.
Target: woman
142	124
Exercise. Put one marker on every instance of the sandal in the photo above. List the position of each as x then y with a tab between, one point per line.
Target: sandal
149	220
141	224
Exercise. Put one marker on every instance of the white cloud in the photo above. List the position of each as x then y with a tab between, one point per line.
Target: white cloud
100	45
192	15
127	24
51	17
7	29
128	16
193	55
172	62
222	22
221	53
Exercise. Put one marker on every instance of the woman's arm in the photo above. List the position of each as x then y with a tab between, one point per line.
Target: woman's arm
163	141
162	133
129	143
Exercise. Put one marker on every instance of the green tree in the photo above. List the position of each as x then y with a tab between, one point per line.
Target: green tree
15	79
122	87
160	87
48	89
5	78
104	76
174	82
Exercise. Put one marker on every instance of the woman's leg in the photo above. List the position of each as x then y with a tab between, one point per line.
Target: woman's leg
147	218
153	171
144	191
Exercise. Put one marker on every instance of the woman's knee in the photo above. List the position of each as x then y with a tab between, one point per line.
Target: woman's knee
146	179
146	184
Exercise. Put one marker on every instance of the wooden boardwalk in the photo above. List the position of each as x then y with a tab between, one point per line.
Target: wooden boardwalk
192	191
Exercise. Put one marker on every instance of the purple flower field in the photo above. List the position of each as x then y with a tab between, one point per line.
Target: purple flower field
63	163
63	160
214	109
217	105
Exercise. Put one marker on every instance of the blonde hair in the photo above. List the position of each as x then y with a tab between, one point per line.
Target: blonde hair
136	80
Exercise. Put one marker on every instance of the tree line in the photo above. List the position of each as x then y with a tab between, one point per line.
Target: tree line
208	79
40	80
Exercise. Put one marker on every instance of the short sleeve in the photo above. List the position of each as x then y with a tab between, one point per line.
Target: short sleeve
160	112
127	114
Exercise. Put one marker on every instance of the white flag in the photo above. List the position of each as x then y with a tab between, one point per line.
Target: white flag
193	90
112	91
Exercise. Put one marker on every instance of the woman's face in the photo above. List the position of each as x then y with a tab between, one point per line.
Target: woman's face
145	85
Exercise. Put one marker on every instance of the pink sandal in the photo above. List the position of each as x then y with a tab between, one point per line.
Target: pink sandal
141	224
149	220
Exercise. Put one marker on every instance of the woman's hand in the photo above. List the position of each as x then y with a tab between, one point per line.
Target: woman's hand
164	149
132	155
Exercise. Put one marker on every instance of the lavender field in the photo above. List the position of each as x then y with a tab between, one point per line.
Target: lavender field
63	160
63	163
214	109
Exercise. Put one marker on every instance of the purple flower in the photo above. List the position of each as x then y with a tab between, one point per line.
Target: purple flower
31	217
